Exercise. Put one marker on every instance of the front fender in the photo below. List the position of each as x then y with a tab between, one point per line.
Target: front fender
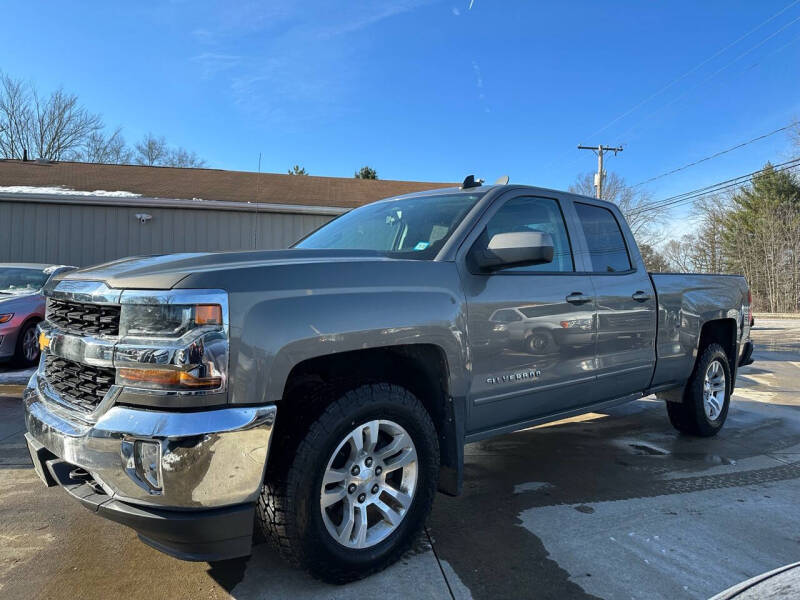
282	316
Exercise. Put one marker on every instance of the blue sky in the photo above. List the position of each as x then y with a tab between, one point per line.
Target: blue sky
430	90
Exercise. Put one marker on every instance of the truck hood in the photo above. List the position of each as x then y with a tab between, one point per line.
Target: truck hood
165	271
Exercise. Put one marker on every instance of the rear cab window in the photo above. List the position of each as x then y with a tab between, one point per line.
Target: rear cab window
604	239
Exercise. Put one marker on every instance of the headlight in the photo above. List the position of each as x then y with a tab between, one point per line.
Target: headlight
6	317
173	341
168	320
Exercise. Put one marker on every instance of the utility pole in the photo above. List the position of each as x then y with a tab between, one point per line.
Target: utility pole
598	177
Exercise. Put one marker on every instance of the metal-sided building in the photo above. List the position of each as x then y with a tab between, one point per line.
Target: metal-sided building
83	214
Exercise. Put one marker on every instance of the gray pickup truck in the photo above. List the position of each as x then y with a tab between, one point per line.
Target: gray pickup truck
326	392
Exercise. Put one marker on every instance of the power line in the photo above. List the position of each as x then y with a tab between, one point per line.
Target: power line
716	154
687	73
695	68
710	77
713	188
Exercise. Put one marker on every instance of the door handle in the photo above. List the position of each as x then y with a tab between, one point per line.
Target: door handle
641	296
578	298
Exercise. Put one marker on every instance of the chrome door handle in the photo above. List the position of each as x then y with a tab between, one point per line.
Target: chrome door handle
578	298
641	296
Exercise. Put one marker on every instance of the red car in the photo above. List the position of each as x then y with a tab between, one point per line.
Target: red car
21	308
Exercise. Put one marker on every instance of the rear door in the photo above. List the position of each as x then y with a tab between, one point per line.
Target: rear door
626	302
531	330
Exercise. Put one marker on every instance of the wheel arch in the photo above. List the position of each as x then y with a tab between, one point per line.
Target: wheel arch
722	332
422	368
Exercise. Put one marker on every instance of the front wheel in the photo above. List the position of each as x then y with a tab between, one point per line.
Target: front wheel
27	351
707	395
359	488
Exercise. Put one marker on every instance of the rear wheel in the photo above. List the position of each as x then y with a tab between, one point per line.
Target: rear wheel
27	351
707	395
358	489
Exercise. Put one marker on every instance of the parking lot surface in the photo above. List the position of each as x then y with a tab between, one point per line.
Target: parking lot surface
608	505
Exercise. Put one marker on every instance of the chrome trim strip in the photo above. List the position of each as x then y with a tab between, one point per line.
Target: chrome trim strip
94	292
89	350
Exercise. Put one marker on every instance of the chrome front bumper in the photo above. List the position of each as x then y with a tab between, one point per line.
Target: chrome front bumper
209	458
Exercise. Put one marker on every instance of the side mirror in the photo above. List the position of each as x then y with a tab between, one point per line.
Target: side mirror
517	249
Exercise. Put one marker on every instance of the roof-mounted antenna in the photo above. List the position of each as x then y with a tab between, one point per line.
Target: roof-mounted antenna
471	182
502	180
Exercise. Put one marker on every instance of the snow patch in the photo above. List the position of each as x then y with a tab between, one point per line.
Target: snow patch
64	191
531	486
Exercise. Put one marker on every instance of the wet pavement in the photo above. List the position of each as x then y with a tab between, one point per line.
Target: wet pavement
611	505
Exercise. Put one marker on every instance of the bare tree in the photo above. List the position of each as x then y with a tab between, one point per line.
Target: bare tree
151	150
680	253
53	126
107	149
60	125
154	151
181	157
15	117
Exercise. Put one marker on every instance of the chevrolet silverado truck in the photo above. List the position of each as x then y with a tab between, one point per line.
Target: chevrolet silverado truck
324	393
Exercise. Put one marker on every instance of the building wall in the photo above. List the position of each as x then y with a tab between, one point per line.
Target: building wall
86	234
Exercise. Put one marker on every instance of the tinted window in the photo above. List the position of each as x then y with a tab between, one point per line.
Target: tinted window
604	238
534	214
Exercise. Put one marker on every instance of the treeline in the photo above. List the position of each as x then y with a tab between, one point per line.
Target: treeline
754	231
56	126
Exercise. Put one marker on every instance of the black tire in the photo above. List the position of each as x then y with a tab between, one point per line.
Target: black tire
539	342
690	416
21	358
289	510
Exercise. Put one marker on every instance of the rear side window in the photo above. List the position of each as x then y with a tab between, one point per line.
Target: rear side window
604	238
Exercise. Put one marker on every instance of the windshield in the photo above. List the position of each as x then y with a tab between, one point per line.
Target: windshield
16	280
417	227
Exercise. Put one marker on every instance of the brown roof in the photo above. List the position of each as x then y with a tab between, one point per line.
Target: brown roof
208	184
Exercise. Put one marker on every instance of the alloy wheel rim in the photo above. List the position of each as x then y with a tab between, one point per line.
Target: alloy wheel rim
714	390
369	484
29	344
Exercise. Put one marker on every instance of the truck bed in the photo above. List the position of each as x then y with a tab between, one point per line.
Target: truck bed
685	303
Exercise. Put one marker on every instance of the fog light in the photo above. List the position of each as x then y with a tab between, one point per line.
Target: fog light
147	462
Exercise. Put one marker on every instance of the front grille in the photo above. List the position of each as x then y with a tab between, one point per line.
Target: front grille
89	319
81	385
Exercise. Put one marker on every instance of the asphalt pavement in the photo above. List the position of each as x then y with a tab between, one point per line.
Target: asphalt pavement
607	505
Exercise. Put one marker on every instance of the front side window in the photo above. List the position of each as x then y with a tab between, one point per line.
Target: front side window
534	214
603	236
415	227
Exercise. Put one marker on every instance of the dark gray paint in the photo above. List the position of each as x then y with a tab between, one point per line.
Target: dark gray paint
290	306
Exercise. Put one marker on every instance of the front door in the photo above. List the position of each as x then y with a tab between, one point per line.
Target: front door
531	330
